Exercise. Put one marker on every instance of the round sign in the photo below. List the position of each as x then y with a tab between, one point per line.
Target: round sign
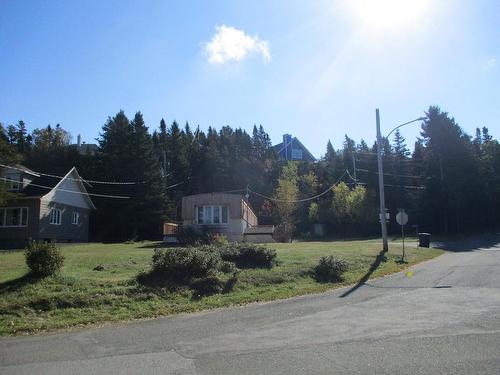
402	217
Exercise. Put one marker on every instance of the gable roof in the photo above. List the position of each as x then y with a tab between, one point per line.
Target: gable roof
23	169
45	184
295	143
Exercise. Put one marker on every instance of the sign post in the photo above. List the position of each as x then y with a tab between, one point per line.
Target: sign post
402	219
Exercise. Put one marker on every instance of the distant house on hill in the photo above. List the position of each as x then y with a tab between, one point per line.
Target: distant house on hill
228	214
45	208
85	148
292	149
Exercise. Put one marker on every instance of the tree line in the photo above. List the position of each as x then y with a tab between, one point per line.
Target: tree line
449	183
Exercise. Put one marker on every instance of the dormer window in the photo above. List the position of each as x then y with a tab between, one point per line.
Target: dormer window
13	181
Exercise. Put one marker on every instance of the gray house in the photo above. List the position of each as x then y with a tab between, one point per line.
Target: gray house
45	207
228	214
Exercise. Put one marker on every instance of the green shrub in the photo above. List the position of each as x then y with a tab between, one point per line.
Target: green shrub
330	269
255	256
189	236
247	255
179	264
217	239
207	286
283	232
43	259
228	267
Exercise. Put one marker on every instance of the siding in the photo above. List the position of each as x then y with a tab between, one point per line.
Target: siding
233	201
65	232
62	194
18	236
240	214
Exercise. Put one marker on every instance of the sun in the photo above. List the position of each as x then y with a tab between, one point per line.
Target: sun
387	15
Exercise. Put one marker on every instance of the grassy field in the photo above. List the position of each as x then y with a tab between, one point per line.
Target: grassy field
80	296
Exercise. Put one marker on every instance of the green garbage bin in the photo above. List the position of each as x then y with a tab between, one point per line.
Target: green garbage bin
424	239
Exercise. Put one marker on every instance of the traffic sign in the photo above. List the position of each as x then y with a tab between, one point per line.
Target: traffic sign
402	217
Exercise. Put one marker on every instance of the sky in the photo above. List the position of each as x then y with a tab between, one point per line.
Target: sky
313	69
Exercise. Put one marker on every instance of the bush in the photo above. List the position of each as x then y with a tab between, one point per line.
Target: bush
179	264
248	255
283	232
43	259
330	269
207	286
189	236
228	267
217	239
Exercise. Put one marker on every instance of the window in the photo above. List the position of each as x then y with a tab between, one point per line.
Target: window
75	218
55	216
212	214
12	182
14	217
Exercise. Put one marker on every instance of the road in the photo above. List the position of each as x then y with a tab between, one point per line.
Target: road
445	319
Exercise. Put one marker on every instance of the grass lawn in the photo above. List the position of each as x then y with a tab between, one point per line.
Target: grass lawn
80	296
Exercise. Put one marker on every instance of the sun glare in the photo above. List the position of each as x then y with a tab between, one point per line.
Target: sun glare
386	15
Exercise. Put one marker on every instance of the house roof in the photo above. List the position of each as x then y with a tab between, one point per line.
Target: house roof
40	186
44	184
294	142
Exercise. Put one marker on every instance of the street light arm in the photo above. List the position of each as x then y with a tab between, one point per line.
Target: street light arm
406	123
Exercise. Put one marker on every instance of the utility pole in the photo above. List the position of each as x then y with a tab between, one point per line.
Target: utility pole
383	223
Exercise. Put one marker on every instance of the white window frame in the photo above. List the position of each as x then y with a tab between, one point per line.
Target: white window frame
55	216
207	214
13	182
23	214
76	218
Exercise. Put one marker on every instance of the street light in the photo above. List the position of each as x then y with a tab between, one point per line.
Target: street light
383	222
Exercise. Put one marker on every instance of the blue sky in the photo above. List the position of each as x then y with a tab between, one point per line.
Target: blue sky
315	69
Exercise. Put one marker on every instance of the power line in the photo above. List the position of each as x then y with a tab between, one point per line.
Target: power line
74	179
174	185
299	200
367	153
388	174
69	191
399	186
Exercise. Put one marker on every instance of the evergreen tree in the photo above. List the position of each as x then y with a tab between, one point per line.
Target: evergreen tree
126	154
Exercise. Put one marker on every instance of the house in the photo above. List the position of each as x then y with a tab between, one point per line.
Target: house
292	149
46	207
84	148
224	213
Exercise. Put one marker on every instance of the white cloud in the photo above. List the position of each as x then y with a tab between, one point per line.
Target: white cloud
231	44
489	64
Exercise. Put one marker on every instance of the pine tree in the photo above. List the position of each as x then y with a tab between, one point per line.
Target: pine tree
400	149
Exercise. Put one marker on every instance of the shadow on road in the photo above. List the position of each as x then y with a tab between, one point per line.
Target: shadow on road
381	257
484	242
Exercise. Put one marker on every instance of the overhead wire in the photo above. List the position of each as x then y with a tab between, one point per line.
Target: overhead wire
81	179
388	174
75	179
69	191
299	200
400	186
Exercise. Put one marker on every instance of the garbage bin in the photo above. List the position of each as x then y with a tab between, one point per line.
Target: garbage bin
424	239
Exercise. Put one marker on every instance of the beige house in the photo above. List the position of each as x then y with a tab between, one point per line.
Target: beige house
228	214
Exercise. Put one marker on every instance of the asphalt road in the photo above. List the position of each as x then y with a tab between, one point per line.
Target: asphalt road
445	319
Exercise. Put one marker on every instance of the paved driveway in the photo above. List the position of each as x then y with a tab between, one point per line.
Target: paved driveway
445	319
